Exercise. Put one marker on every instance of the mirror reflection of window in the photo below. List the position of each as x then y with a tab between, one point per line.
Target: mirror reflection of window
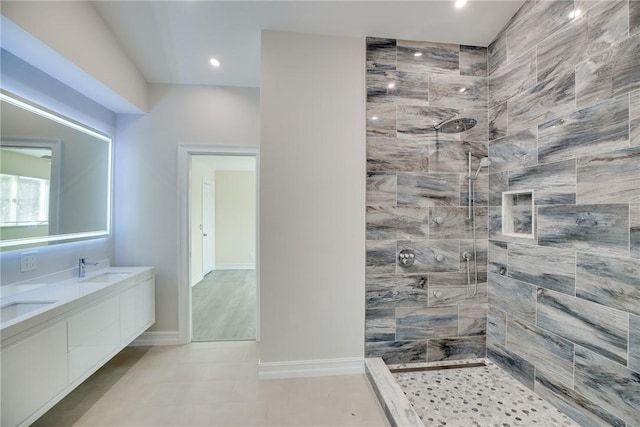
25	200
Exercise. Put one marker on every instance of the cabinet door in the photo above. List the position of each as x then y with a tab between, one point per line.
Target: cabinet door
137	308
34	370
93	335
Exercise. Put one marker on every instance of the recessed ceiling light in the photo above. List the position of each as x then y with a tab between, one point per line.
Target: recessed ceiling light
460	3
391	85
214	62
417	54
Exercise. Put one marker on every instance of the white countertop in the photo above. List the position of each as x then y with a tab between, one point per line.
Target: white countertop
66	295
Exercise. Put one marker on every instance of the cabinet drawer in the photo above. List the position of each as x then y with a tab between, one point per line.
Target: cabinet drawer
93	335
137	309
33	371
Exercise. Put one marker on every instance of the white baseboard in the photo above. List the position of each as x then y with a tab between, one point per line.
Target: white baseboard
157	338
236	267
311	368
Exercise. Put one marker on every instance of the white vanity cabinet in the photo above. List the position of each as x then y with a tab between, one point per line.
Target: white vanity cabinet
44	357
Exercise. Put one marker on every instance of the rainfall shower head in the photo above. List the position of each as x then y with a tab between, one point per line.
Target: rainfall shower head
484	162
455	124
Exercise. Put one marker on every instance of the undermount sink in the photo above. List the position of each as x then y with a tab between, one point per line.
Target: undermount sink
18	308
106	277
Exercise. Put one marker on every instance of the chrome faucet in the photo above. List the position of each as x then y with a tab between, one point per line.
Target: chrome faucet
82	263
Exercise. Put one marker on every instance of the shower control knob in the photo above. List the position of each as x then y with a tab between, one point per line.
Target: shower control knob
437	294
406	257
439	257
438	220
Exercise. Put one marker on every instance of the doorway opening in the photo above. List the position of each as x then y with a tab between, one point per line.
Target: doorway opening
222	249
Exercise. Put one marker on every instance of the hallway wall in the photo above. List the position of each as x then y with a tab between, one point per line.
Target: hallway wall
564	109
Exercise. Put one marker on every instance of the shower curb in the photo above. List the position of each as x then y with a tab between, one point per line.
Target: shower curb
396	406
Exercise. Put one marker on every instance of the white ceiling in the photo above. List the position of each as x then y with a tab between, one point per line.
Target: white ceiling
172	41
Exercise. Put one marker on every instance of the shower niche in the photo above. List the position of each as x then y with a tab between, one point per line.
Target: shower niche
518	215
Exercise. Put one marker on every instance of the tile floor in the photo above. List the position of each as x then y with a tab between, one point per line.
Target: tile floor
211	384
474	397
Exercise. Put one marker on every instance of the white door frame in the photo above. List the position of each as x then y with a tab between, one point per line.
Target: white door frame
185	151
211	235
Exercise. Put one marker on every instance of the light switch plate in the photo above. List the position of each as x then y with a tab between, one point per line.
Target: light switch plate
28	262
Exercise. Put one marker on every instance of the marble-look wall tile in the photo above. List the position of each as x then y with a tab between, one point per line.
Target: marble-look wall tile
454	223
634	118
516	366
542	102
634	343
585	323
634	17
380	325
497	257
534	22
513	151
423	323
452	280
512	79
614	387
609	74
416	123
426	251
397	222
576	406
381	256
456	348
381	53
550	354
610	281
513	297
498	121
472	320
550	268
498	182
433	189
397	352
397	86
473	61
381	119
634	230
446	90
620	170
497	52
593	130
381	189
554	183
496	326
397	155
442	293
435	58
608	23
392	291
450	155
602	229
559	54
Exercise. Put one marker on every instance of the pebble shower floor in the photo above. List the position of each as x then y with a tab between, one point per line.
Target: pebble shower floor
476	397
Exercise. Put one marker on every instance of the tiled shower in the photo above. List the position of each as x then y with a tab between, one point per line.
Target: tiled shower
557	100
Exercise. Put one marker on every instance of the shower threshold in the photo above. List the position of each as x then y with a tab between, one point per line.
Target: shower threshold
460	393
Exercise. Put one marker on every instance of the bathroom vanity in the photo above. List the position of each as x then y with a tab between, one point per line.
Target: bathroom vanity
54	336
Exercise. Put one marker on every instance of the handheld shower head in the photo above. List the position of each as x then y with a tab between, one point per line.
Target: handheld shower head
484	162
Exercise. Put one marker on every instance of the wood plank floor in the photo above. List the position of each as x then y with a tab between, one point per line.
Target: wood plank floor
224	306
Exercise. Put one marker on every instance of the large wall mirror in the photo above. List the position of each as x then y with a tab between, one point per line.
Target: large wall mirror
55	178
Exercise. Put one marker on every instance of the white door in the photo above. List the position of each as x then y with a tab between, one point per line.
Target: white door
208	229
